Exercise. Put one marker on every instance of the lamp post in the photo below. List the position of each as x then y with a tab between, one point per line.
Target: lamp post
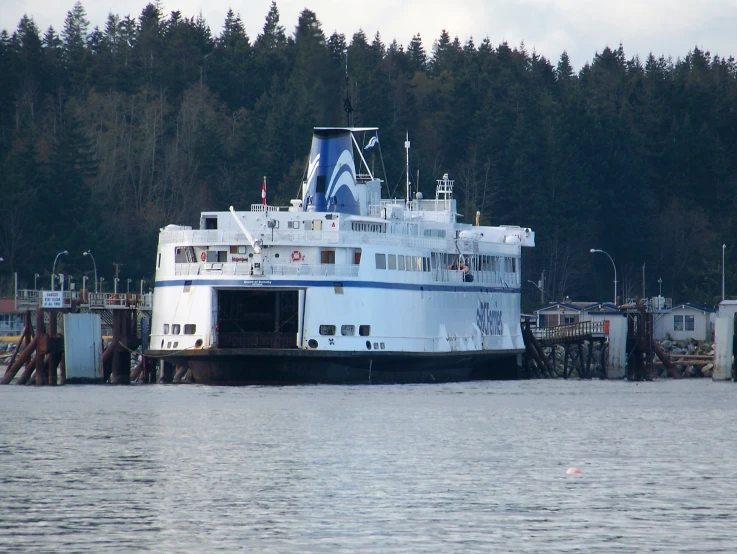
615	271
542	292
102	280
115	287
128	286
660	287
35	281
84	282
88	253
142	282
723	247
53	269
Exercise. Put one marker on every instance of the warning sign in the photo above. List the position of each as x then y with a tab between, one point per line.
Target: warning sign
52	299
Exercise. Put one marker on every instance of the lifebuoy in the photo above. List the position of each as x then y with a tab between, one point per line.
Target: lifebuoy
296	256
203	256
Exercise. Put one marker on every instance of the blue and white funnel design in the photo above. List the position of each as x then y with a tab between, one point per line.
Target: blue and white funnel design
331	175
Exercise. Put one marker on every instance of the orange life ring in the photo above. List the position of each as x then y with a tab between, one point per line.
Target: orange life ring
203	256
296	256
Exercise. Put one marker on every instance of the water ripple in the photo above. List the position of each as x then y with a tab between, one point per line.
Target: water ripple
472	467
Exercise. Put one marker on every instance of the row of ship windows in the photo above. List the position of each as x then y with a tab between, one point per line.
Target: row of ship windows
423	263
346	330
189	329
402	263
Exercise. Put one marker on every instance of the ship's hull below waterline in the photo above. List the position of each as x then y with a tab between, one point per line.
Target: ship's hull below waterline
293	366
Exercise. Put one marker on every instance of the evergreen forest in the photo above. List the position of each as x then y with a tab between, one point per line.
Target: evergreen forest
109	134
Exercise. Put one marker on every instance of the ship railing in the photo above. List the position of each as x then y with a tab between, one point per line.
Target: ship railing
268	208
245	268
201	237
312	270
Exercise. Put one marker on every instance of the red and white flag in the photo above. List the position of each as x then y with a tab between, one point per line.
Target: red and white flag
263	192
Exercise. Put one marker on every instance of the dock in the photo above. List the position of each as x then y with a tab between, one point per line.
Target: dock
39	355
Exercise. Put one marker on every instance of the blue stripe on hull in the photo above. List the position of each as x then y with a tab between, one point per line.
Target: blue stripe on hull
269	283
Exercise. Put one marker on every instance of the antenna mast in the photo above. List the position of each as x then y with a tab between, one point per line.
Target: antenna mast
406	147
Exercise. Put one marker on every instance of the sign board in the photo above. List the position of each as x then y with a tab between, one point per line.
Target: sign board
52	299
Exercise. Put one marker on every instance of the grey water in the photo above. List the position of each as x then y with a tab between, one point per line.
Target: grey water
471	467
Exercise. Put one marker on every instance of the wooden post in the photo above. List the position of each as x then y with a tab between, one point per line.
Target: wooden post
40	347
53	357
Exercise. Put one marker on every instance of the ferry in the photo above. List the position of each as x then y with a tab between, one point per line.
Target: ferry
341	286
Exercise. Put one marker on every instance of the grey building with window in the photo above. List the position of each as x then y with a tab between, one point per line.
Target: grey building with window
685	321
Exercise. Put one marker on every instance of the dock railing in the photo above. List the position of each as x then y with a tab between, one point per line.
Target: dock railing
571	332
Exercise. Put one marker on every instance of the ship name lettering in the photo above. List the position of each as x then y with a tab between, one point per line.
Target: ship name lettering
488	320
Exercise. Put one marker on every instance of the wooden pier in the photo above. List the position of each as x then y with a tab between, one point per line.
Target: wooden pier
572	338
38	357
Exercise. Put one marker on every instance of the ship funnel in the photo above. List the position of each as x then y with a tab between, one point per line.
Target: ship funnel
331	174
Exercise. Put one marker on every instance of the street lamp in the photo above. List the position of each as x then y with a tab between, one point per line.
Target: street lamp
53	269
142	281
88	253
615	271
128	287
542	292
102	280
35	281
660	286
84	282
116	281
723	247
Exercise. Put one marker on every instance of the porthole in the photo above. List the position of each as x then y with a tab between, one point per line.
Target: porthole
312	343
376	346
382	346
276	255
198	343
368	344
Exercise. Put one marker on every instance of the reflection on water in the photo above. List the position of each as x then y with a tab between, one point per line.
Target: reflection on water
418	468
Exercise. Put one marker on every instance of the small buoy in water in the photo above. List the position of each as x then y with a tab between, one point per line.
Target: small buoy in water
573	471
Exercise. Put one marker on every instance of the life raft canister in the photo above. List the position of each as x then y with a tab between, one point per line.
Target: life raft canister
296	256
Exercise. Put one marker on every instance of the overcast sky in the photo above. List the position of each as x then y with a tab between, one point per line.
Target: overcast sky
582	27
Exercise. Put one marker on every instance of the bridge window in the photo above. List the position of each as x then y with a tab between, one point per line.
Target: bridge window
347	330
392	261
327	257
166	328
175	328
327	329
380	261
364	330
190	329
400	263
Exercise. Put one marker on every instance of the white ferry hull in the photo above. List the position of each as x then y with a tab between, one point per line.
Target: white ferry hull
340	286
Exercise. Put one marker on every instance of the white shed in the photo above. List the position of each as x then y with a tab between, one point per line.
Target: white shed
683	322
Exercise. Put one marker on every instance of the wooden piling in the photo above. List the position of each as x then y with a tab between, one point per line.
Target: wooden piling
24	357
40	347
